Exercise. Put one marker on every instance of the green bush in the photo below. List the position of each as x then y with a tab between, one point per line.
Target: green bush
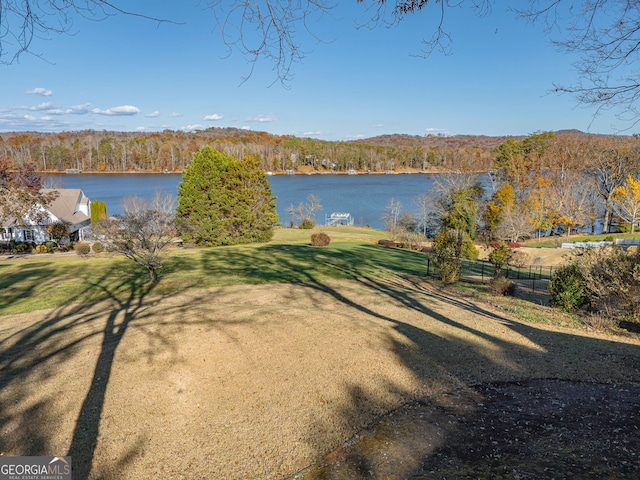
469	250
568	289
46	247
82	248
499	257
503	286
447	250
320	239
307	224
97	247
24	247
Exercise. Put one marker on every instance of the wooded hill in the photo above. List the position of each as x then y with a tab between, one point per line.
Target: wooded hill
170	151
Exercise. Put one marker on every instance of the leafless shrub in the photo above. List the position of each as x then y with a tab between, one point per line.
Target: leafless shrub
503	286
320	239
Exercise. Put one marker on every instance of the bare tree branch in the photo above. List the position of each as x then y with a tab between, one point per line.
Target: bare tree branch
23	21
605	35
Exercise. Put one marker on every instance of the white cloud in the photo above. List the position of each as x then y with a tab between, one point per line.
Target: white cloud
310	134
140	129
263	118
191	128
14	122
434	131
245	127
153	114
79	109
213	117
175	115
40	91
121	110
42	106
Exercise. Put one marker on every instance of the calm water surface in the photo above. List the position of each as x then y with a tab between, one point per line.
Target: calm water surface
364	196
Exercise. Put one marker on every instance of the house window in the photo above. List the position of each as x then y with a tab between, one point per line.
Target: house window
28	236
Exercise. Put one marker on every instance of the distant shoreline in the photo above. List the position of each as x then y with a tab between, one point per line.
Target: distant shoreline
276	173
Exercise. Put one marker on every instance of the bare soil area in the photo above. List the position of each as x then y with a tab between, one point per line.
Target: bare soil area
342	379
545	257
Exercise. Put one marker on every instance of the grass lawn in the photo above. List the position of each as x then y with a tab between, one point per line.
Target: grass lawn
555	242
260	361
40	281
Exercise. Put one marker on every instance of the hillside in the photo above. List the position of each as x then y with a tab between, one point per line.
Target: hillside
453	141
170	151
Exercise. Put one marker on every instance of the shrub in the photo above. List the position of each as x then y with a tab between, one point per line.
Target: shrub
320	239
67	247
519	258
600	321
411	240
82	248
447	249
469	250
41	248
499	257
97	247
307	224
494	244
503	286
568	289
612	280
24	247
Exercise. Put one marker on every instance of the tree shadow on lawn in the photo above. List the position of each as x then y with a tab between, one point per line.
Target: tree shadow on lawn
470	346
437	348
24	282
44	353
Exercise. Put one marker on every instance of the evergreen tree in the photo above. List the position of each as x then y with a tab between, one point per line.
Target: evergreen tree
224	201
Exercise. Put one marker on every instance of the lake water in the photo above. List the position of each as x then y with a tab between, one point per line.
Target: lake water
365	197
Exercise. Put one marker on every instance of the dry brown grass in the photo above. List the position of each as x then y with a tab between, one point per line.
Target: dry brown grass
261	381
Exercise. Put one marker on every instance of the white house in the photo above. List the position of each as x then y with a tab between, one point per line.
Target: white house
71	206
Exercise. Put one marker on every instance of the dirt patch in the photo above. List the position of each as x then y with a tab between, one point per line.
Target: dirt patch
537	257
262	381
520	430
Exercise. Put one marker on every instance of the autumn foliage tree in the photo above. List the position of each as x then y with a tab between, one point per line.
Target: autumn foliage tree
627	201
21	194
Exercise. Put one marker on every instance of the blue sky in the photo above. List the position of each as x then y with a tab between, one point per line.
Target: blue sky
131	74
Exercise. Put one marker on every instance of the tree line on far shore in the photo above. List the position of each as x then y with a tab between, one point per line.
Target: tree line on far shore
542	183
171	151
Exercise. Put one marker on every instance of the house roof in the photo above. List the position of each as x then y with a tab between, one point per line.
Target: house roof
67	204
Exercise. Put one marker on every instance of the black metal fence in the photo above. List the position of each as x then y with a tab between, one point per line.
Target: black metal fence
534	277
